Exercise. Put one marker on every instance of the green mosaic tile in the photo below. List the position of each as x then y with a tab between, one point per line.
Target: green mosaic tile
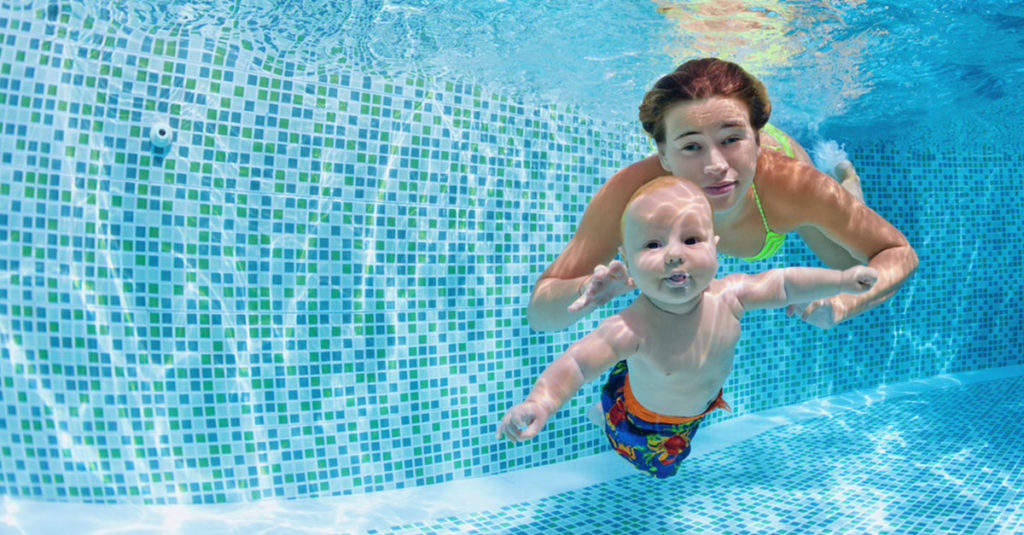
318	288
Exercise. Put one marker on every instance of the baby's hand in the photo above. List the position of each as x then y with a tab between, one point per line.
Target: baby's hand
859	279
606	283
526	415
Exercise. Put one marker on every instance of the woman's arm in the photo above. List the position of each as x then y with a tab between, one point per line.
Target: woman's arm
799	196
829	252
594	243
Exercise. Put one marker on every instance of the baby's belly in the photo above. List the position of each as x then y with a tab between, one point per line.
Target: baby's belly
696	402
675	397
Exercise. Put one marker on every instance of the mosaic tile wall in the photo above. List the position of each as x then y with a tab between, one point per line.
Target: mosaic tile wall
319	286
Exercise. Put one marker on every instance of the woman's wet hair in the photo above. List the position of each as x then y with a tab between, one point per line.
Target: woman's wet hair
700	79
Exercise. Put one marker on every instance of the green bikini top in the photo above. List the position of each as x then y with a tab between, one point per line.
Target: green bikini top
772	240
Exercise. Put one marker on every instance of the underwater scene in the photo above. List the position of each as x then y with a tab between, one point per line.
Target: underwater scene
268	265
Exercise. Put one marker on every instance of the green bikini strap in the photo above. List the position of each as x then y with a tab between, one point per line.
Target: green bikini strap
759	209
772	240
787	149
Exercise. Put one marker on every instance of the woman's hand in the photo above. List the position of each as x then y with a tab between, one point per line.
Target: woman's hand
822	313
522	422
606	283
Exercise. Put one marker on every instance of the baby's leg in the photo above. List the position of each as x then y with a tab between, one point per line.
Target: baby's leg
596	414
831	158
848	178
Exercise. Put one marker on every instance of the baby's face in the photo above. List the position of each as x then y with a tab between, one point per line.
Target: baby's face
669	245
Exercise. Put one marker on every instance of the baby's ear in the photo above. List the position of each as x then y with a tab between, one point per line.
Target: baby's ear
717	237
622	257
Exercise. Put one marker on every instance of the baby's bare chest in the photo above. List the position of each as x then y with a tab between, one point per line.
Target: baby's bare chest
704	347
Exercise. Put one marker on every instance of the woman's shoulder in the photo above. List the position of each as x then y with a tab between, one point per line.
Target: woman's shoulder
794	192
779	172
789	186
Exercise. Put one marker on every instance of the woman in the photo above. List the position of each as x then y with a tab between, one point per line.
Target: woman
706	118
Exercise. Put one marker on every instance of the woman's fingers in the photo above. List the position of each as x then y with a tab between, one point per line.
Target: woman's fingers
819	313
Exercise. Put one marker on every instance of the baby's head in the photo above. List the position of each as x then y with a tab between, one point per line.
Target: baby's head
668	241
678	193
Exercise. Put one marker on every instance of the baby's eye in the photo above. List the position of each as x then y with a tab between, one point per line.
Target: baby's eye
652	245
693	240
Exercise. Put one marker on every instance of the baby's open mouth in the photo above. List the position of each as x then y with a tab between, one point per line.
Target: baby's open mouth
678	279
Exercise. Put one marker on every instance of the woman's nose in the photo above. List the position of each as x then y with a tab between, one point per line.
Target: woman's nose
715	163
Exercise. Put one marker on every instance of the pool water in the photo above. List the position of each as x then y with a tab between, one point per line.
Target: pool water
311	291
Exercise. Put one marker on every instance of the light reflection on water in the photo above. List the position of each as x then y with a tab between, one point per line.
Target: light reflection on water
854	64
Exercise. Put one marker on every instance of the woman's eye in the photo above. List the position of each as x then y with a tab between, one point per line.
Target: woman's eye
730	140
690	147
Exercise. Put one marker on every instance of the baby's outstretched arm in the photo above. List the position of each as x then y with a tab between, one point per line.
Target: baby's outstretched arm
806	284
583	362
779	287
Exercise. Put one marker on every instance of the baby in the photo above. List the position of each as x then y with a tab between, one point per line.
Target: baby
671	349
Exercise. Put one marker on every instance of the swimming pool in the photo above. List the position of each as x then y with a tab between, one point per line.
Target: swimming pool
315	290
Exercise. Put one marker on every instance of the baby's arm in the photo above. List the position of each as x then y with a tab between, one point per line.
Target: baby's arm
777	288
583	362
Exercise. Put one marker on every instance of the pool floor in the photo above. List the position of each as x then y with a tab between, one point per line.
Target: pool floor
939	455
948	460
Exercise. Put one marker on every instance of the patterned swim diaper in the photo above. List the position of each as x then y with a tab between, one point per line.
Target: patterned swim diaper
654	443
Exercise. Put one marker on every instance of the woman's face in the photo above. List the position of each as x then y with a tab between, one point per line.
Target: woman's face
711	143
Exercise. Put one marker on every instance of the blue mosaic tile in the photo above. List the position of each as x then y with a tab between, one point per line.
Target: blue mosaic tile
318	288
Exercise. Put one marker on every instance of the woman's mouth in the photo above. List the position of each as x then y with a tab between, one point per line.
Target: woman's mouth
678	279
719	188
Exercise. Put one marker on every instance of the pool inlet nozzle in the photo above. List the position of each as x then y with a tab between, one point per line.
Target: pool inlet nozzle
161	135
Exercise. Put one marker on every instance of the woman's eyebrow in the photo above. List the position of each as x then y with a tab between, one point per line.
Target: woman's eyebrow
726	124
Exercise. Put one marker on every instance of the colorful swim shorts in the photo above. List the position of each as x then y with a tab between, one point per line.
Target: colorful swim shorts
654	443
